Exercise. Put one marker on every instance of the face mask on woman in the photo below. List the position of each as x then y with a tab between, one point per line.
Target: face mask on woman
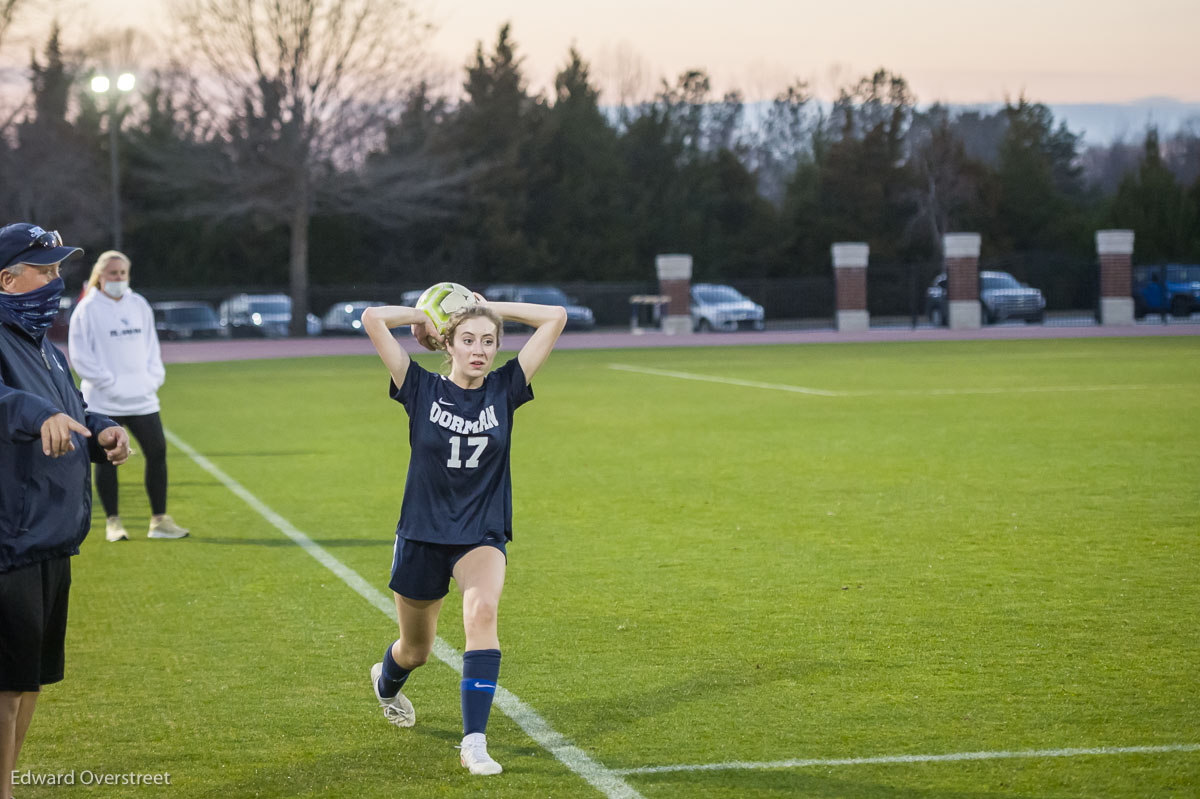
33	311
116	288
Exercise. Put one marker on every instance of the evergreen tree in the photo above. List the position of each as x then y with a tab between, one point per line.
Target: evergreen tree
1041	204
689	188
174	239
492	131
856	188
413	251
782	140
805	245
1157	209
739	229
53	174
654	194
1194	197
578	221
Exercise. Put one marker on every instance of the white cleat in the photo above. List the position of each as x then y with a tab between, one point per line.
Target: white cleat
474	755
114	530
398	710
166	528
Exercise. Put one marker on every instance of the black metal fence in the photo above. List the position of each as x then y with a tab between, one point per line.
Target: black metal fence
897	289
786	298
1069	283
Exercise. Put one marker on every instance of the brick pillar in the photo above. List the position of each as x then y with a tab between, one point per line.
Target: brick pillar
961	251
850	279
675	282
1115	248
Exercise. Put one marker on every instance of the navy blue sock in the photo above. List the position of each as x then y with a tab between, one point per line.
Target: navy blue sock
481	670
393	677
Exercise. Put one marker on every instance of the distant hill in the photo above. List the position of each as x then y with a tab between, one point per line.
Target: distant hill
1103	123
1097	123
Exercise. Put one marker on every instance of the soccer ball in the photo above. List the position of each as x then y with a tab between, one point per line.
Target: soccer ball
441	300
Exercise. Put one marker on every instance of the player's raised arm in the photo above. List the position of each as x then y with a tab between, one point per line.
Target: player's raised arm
378	323
548	322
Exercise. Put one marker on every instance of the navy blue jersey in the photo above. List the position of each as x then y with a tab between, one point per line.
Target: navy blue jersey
459	487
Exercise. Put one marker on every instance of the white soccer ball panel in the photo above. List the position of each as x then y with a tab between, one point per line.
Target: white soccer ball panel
441	300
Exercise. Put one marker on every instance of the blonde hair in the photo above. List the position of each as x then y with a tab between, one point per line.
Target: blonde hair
474	312
102	261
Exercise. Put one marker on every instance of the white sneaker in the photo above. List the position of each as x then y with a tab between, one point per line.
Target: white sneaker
398	710
114	530
166	528
474	755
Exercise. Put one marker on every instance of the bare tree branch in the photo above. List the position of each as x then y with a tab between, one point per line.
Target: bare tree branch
8	12
306	89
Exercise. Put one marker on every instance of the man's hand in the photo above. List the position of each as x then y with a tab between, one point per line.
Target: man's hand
115	442
426	336
56	434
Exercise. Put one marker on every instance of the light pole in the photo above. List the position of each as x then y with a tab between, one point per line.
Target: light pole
102	85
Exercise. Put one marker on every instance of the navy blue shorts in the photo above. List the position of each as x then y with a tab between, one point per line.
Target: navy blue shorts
423	570
33	624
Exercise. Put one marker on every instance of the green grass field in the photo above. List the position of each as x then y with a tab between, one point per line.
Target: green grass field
966	547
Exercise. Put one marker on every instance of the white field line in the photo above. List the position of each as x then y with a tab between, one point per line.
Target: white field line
726	380
919	392
890	759
605	780
942	392
608	781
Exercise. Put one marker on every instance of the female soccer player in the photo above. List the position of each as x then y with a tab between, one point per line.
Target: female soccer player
456	517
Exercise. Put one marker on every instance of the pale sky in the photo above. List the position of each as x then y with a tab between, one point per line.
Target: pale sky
961	51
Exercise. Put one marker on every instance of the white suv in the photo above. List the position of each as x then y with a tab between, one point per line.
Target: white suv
262	315
718	307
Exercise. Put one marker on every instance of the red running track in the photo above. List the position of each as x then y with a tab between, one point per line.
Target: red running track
251	349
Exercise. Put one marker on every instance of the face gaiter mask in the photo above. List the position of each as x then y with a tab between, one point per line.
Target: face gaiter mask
33	311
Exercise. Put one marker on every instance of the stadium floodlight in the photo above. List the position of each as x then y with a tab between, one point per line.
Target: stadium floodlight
100	85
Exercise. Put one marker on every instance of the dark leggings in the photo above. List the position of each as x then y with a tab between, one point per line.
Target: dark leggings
148	432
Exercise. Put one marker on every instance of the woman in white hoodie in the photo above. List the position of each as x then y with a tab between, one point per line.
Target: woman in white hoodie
114	348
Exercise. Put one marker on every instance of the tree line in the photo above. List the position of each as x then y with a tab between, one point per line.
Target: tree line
295	153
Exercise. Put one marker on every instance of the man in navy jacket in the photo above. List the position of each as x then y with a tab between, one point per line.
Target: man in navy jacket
47	441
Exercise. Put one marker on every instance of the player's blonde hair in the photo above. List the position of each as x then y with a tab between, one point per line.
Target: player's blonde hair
473	312
102	261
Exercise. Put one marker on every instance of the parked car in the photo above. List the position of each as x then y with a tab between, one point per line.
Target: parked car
1170	287
1001	296
262	315
187	320
344	318
579	317
409	300
719	307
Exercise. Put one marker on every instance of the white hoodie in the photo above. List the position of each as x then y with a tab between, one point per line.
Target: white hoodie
114	348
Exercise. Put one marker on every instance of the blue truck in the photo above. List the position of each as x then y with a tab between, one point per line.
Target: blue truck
1166	288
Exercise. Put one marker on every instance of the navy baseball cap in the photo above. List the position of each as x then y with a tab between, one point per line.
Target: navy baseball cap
23	243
